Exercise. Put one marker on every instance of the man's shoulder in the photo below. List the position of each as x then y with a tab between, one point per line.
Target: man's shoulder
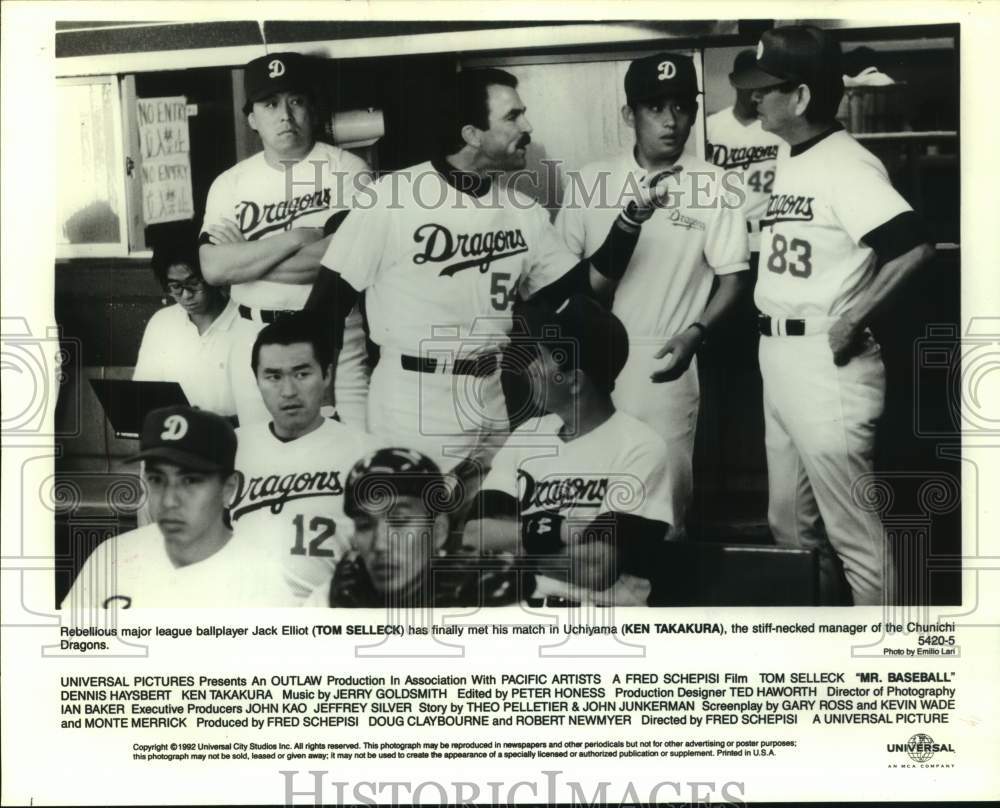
247	165
168	317
635	436
139	543
342	158
720	118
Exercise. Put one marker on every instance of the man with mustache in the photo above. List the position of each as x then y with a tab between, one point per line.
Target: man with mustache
443	251
263	232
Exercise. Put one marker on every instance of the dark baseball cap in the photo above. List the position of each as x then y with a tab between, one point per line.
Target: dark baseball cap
802	54
659	75
192	439
377	479
590	337
744	60
275	73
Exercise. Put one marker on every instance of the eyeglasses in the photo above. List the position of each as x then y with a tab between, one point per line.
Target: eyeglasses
176	288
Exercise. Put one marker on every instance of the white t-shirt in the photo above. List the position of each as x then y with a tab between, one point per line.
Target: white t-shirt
434	260
679	252
291	498
825	200
265	201
133	570
172	350
747	148
620	467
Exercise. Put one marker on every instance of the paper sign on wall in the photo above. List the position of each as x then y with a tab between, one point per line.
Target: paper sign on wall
165	146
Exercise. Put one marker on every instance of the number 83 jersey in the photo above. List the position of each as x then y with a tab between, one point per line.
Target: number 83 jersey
828	194
290	501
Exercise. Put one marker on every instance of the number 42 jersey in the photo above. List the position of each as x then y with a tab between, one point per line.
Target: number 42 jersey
291	498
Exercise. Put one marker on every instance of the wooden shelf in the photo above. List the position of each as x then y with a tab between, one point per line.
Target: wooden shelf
937	134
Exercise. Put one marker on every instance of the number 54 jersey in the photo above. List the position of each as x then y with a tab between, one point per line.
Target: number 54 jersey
291	498
826	199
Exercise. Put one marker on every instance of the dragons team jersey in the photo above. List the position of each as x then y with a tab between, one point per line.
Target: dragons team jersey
746	148
812	261
430	256
264	201
133	571
679	252
291	498
619	467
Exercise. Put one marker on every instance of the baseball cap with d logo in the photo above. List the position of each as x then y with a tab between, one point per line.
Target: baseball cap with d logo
192	439
659	75
801	54
275	73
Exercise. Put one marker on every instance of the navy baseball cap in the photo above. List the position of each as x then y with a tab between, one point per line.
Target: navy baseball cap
801	54
192	439
275	73
660	75
595	340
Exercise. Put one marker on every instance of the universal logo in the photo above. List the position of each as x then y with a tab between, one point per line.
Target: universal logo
920	748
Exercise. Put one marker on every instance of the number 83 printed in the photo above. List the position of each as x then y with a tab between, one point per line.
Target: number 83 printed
794	256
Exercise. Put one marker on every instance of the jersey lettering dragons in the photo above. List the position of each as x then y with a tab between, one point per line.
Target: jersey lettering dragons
483	248
256	220
560	492
742	156
275	491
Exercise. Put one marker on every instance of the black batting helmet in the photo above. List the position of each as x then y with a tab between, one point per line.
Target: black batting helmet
379	478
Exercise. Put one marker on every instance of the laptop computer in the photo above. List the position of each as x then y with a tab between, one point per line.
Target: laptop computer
126	403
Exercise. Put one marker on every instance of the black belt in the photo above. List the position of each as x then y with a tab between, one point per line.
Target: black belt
793	328
480	366
266	315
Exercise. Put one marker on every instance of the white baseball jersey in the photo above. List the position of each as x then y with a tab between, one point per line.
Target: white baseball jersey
665	288
291	498
619	467
812	261
172	350
265	201
133	570
746	148
428	255
680	249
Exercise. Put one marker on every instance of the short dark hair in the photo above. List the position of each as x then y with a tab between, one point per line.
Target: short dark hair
472	100
170	253
299	326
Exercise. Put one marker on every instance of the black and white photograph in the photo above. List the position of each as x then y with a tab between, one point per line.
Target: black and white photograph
499	403
642	254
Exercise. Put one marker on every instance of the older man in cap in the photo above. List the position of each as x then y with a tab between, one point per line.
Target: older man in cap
664	297
837	243
268	220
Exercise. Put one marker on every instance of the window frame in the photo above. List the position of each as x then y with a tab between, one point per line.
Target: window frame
106	249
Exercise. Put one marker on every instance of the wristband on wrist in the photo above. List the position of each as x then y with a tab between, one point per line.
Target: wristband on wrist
540	533
702	328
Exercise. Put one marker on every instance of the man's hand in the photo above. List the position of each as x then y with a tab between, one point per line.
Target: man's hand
654	192
679	350
846	338
226	233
